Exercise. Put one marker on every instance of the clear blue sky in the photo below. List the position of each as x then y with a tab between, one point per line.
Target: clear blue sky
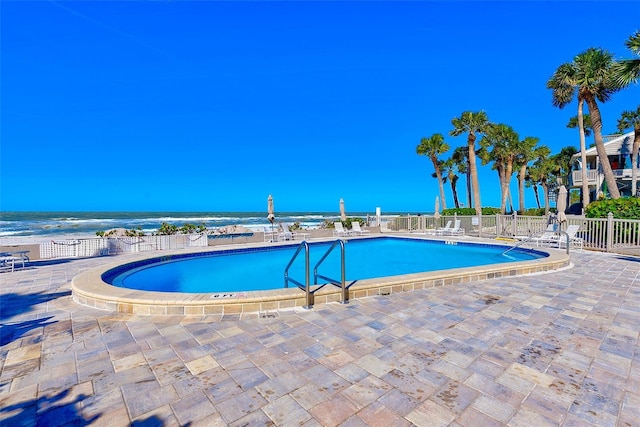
212	106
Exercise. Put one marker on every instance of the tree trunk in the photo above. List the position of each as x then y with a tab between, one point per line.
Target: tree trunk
471	143
545	192
521	176
535	191
634	160
454	191
436	166
503	190
468	174
596	124
583	156
506	180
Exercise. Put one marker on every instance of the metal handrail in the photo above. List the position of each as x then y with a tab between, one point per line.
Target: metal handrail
528	239
344	297
306	287
517	245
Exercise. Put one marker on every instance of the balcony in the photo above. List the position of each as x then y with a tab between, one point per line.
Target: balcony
592	176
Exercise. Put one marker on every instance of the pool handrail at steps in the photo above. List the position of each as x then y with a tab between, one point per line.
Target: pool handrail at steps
344	293
529	238
306	287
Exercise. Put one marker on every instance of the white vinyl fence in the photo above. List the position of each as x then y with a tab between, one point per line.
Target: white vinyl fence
601	234
115	245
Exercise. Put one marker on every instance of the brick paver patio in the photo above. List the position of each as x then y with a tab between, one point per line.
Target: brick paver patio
549	349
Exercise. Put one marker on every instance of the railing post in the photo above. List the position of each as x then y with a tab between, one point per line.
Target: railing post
345	291
514	225
609	232
309	295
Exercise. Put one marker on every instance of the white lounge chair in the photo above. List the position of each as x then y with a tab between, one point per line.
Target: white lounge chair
285	234
574	241
456	230
339	230
356	230
441	231
547	237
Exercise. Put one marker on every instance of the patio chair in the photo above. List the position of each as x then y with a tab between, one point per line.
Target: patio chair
547	238
441	231
456	230
574	241
339	230
285	234
356	230
7	263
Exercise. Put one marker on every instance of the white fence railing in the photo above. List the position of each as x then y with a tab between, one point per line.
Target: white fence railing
602	234
115	245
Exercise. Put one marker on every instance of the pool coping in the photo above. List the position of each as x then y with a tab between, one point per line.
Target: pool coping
89	289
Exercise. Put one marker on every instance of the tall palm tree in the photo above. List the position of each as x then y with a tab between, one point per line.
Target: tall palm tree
461	159
540	173
627	71
450	169
472	123
500	145
433	147
591	75
631	119
527	151
583	123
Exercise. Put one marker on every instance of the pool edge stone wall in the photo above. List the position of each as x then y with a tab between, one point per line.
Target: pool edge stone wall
89	290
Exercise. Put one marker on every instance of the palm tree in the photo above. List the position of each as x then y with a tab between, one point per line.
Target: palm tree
433	147
500	145
450	169
527	151
461	159
631	119
627	71
564	161
591	75
472	124
583	123
586	120
540	173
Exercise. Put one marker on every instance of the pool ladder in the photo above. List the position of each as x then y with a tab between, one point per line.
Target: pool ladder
306	287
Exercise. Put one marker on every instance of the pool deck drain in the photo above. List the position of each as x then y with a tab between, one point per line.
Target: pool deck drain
550	349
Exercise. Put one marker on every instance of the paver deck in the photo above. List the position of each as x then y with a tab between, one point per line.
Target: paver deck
548	349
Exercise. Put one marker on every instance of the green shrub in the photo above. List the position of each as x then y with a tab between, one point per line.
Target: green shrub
534	212
470	211
329	223
625	208
191	229
347	223
134	233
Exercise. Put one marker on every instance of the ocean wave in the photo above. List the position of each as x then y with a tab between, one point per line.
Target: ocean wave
88	223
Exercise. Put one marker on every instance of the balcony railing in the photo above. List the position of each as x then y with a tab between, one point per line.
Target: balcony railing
592	177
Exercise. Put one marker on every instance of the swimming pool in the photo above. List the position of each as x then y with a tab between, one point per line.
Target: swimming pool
263	269
90	289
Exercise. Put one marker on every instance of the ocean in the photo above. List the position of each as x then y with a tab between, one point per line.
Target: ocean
86	224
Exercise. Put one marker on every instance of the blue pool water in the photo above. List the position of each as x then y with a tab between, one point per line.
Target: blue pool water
263	268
